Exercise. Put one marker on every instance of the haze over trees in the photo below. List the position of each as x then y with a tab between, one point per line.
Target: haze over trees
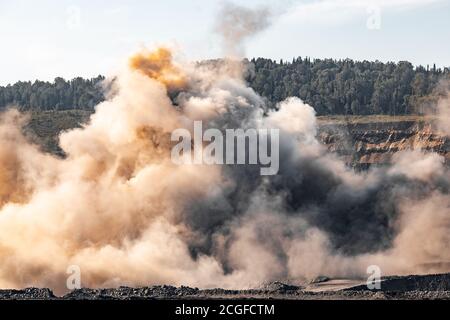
332	87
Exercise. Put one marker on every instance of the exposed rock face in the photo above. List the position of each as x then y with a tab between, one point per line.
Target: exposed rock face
370	140
374	143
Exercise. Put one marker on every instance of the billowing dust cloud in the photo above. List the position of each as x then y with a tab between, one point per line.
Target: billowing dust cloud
117	207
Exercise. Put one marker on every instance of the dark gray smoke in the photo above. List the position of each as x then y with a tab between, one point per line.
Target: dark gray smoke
236	24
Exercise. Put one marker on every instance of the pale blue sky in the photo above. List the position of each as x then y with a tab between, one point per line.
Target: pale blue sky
48	38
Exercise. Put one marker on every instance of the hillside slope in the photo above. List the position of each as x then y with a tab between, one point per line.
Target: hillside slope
362	141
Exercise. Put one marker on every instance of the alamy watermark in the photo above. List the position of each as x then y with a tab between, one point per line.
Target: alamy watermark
374	20
73	21
374	279
73	281
236	146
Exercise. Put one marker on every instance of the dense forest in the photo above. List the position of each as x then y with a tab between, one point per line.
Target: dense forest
76	94
349	87
330	86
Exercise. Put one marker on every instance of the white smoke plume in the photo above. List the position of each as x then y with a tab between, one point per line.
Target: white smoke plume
236	24
121	210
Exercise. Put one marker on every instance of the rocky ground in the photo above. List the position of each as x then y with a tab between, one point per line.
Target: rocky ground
399	287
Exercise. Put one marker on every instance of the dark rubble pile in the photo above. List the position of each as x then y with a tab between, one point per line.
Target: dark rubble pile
28	293
432	282
122	293
398	287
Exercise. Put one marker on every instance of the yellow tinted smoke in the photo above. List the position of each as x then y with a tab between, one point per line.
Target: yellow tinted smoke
158	65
